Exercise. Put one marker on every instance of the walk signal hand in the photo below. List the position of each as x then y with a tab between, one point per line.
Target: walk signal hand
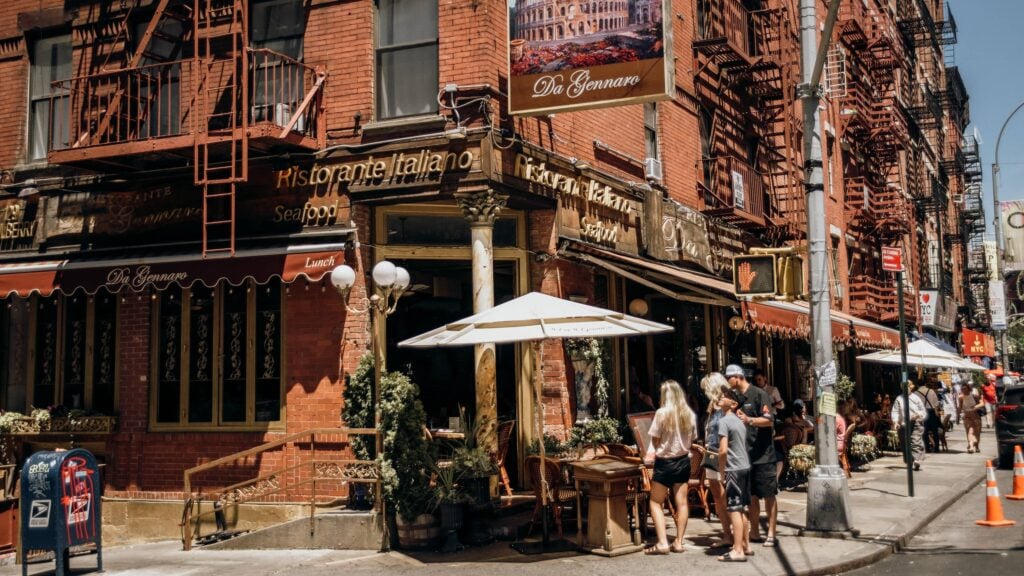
746	276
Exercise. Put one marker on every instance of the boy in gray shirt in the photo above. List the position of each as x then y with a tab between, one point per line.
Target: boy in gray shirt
733	459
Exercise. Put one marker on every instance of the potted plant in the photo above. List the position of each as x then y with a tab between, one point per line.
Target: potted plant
593	432
863	447
801	458
451	500
406	462
473	463
358	413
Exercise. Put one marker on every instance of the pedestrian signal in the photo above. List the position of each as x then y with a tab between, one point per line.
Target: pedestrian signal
754	275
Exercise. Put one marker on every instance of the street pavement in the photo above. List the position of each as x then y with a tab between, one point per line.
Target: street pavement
887	521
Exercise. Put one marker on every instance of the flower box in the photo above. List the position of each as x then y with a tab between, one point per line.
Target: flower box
27	426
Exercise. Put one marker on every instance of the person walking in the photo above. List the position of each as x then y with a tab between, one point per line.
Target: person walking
713	384
932	407
988	394
915	427
733	459
672	432
970	407
755	412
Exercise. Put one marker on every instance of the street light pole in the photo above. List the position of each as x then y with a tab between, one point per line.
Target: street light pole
1000	240
828	506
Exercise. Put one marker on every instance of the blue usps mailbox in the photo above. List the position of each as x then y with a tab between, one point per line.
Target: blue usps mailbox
60	506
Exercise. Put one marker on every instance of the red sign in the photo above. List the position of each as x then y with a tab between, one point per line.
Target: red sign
892	259
978	344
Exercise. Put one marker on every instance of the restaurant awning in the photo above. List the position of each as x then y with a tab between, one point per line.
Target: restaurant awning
672	281
792	320
312	262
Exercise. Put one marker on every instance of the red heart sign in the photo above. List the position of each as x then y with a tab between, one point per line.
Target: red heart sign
926	297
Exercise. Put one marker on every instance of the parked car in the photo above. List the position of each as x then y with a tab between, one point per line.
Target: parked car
1010	423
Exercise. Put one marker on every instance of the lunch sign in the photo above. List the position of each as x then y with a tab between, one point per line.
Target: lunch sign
582	54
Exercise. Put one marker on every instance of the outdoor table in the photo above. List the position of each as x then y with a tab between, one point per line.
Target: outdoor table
608	526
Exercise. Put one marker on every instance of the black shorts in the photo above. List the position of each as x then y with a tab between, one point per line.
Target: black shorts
737	490
671	471
763	481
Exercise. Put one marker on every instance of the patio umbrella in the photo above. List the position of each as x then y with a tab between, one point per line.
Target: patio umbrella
922	354
531	318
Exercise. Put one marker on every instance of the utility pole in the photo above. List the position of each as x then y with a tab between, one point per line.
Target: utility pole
828	494
1004	356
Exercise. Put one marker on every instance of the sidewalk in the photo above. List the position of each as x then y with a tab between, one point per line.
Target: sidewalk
884	516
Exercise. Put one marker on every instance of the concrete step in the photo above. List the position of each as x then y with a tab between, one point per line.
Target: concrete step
335	530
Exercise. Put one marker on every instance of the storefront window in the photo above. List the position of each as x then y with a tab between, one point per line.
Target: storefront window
440	230
741	348
59	351
218	356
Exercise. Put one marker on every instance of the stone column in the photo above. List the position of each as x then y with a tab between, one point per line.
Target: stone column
481	208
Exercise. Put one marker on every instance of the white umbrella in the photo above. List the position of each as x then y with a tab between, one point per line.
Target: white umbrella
923	354
531	318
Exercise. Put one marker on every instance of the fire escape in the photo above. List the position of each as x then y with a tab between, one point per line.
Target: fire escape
179	84
972	226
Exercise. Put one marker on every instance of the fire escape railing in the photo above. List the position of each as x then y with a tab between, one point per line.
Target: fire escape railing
137	104
732	185
723	32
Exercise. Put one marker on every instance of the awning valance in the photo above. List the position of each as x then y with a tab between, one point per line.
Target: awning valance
672	281
312	262
792	320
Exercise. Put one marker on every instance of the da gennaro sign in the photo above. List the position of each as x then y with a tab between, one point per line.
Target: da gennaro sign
578	54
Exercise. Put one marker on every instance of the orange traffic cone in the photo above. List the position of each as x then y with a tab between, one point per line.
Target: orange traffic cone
993	507
1018	474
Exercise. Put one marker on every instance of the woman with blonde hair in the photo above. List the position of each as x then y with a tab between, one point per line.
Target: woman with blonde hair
712	385
672	432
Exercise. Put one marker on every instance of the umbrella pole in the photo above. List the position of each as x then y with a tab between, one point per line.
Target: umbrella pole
535	356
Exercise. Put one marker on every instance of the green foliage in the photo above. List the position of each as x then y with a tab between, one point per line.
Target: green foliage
801	458
552	446
844	388
470	459
447	485
406	462
598	351
358	409
863	446
978	379
596	431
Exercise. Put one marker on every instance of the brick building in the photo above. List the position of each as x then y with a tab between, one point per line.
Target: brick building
180	177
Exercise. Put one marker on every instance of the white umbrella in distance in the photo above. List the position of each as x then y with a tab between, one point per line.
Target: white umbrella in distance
531	318
922	354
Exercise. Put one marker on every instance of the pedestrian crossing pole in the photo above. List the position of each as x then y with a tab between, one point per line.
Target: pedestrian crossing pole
906	383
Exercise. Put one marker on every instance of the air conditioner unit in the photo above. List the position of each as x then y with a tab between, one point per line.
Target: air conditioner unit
652	169
958	198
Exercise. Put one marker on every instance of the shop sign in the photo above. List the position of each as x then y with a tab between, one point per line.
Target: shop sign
677	233
927	301
1012	214
397	168
997	304
570	59
977	344
17	225
588	210
937	311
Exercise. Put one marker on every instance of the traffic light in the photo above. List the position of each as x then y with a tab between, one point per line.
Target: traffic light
754	275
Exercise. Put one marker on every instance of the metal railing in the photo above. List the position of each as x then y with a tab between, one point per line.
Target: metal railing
287	470
723	22
733	184
157	100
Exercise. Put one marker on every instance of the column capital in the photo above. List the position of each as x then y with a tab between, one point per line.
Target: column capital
481	207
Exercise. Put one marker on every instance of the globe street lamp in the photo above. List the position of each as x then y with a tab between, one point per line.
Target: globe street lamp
390	282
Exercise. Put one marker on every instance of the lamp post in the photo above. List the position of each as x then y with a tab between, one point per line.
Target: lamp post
390	282
1000	240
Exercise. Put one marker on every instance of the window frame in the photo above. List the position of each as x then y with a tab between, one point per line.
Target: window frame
652	138
217	423
380	49
56	37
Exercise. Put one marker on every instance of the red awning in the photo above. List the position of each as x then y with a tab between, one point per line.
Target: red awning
792	320
310	262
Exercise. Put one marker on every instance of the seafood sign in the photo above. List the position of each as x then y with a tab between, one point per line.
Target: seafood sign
588	54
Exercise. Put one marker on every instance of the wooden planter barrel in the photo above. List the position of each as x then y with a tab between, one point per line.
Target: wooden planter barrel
423	532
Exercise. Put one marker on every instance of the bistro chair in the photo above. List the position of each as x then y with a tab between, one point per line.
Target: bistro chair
557	494
698	488
504	436
844	459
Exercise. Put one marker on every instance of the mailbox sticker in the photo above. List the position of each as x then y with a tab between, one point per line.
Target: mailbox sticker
40	514
78	509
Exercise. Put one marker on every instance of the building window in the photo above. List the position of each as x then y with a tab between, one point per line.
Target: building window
59	351
217	356
407	58
651	130
49	61
277	28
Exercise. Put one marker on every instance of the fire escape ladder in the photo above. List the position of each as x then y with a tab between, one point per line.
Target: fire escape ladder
221	118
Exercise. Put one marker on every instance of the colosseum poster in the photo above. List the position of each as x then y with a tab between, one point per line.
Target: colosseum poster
577	54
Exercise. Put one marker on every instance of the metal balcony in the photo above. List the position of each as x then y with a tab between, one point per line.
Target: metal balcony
723	32
733	191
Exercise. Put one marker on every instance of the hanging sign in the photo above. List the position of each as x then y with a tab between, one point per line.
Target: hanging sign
892	259
997	304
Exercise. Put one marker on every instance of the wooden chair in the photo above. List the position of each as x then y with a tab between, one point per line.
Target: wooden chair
556	493
504	437
698	488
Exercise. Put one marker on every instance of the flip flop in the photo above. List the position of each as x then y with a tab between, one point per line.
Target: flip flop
728	558
769	542
656	550
758	539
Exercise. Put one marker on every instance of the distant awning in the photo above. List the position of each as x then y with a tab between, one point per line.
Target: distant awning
672	281
792	320
312	262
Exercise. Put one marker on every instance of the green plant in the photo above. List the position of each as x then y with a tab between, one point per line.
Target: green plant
596	431
406	462
470	459
8	420
358	409
552	446
801	458
863	446
447	484
598	351
844	388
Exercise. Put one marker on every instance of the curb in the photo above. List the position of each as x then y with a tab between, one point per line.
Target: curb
886	549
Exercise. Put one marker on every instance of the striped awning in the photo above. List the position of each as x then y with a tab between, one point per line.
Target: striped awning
792	320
